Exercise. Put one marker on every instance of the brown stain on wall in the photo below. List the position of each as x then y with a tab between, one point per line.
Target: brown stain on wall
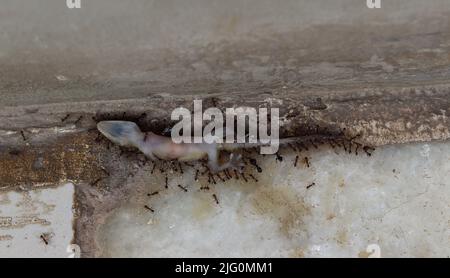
297	253
6	237
342	237
67	159
363	254
282	204
21	221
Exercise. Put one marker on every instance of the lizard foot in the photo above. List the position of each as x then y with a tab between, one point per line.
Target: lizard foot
236	162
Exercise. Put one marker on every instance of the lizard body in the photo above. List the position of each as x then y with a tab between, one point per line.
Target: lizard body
125	133
155	146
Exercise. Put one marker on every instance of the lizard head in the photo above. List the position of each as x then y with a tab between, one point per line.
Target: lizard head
122	133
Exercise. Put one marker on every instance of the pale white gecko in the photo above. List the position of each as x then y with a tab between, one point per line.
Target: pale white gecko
125	133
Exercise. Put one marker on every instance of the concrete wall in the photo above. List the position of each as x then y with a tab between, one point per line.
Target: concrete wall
127	49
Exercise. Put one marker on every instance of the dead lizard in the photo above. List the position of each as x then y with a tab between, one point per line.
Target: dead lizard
125	133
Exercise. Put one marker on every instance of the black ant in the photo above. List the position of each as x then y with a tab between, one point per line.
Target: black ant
236	174
161	168
172	165
143	115
337	143
253	162
153	193
253	177
183	188
296	161
149	208
368	150
357	147
306	161
350	144
65	118
343	144
220	177
310	185
279	157
206	169
196	175
227	174
215	198
78	120
292	147
211	178
331	144
303	146
44	239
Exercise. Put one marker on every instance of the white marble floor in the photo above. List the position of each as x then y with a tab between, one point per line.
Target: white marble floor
36	223
395	203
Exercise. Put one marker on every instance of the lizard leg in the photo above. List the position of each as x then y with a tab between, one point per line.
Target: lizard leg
213	161
235	162
150	155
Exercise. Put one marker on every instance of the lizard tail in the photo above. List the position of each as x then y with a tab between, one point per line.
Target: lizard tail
281	142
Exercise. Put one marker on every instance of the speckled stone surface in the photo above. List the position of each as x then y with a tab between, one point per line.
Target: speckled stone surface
397	199
36	223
